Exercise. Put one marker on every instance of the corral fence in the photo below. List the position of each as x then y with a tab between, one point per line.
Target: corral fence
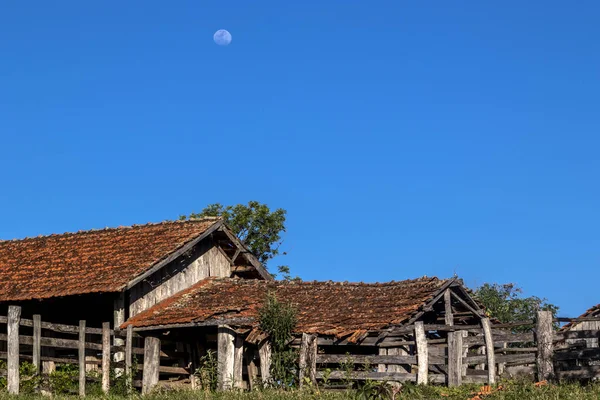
104	351
452	355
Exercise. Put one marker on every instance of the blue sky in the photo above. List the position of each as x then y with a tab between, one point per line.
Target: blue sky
404	138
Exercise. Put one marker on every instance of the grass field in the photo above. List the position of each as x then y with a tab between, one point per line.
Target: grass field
509	391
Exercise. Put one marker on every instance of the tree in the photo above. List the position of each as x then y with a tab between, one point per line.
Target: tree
258	227
505	302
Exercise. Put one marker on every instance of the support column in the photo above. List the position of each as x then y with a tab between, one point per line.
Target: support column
118	320
225	357
422	353
264	353
14	318
151	364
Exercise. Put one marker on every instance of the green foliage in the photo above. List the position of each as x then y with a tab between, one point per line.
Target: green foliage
372	390
207	373
348	367
64	380
505	302
258	227
278	320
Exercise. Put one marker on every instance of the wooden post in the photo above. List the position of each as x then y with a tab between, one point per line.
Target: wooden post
264	353
14	318
308	359
251	365
489	350
545	365
422	353
129	351
238	362
455	350
449	316
37	342
81	354
225	357
501	366
105	356
151	369
118	320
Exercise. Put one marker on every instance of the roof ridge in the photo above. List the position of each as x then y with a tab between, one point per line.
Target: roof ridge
108	228
328	282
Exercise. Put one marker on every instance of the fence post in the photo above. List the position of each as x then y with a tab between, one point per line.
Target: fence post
544	335
105	356
14	318
37	342
81	351
489	350
129	354
151	370
238	357
225	357
422	353
455	351
264	354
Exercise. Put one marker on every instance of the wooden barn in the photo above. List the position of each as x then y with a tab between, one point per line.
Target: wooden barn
190	288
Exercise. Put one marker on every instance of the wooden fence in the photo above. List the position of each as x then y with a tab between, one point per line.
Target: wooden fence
452	355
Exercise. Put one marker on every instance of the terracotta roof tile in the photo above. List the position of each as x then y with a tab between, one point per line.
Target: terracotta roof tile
327	308
90	261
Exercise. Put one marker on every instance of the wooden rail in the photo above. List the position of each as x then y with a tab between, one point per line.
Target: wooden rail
455	354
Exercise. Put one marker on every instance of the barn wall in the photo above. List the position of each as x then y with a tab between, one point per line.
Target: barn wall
586	326
205	260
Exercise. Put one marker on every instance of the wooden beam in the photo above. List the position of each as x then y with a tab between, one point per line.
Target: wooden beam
247	253
422	353
225	357
37	346
448	316
489	350
81	356
14	316
545	365
151	367
464	303
105	357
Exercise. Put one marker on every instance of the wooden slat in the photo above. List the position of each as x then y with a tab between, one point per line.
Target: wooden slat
586	354
448	316
365	375
502	358
455	348
62	328
583	334
365	359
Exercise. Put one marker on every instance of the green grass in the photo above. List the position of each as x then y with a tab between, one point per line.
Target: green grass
511	391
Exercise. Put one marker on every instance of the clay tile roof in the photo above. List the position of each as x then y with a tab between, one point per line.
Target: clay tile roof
90	261
328	308
591	312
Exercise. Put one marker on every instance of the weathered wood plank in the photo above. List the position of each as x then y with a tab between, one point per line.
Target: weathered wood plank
81	354
503	358
37	345
366	359
455	348
105	357
151	367
14	316
422	354
545	345
489	350
366	375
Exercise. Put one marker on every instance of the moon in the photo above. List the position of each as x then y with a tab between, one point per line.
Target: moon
222	37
